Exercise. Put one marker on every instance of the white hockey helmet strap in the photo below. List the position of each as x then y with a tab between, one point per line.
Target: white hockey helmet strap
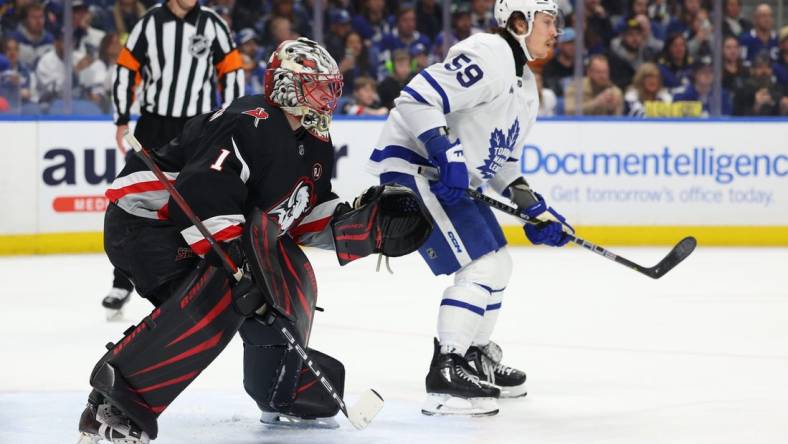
529	8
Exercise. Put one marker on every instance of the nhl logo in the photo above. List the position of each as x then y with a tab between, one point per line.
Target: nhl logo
198	46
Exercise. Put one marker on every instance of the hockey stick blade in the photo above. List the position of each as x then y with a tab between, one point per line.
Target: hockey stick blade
365	409
680	252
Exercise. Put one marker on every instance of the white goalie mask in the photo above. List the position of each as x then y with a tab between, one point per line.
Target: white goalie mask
304	80
505	8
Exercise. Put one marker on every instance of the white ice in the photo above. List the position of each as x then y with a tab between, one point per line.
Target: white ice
699	356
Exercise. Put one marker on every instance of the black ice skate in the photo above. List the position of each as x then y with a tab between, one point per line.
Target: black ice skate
453	388
487	362
104	422
114	302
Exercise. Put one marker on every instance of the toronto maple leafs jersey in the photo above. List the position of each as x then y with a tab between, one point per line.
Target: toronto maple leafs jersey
487	97
226	163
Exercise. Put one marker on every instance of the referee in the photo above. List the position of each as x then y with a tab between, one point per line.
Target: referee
184	60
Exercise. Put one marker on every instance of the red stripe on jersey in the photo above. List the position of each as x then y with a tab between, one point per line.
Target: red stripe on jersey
315	226
202	246
140	187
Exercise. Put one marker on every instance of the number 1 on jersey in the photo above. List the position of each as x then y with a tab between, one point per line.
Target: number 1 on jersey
220	160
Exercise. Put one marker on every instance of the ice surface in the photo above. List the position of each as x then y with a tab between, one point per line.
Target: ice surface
699	356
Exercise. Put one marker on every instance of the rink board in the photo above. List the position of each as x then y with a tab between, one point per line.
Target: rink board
620	182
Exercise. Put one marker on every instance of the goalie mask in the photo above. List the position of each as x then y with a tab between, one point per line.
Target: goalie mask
304	80
529	8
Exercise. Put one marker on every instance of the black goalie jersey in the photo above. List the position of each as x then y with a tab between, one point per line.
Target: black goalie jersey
224	164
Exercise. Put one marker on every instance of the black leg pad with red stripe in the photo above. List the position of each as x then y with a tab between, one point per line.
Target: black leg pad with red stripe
158	358
277	379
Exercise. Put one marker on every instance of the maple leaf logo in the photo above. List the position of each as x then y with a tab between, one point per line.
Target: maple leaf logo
501	148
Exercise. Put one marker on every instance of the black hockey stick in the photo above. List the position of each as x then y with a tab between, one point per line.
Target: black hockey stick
677	254
370	402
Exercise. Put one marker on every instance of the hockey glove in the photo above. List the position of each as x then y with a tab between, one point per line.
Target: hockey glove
449	158
551	230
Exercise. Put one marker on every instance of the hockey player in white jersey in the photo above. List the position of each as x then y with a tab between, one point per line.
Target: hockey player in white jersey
466	121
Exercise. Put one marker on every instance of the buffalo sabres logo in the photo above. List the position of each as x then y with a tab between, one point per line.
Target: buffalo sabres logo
198	46
297	205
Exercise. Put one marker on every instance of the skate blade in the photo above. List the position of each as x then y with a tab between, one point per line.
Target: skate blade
438	404
517	391
281	420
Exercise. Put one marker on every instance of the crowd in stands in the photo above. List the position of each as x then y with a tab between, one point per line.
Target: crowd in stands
642	57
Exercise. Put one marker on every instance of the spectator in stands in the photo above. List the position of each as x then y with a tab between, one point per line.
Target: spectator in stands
631	50
658	12
87	39
646	88
280	30
338	27
599	28
429	16
96	80
50	71
365	101
299	22
674	64
482	15
547	100
734	72
600	96
250	14
11	14
560	69
461	28
761	95
701	87
391	86
404	36
373	22
125	14
683	23
420	57
34	40
358	61
253	76
733	24
701	33
246	39
762	37
16	80
781	67
640	8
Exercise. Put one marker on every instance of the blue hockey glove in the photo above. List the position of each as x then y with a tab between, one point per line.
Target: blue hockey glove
449	158
552	229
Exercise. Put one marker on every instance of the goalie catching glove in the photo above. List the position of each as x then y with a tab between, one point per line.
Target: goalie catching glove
387	219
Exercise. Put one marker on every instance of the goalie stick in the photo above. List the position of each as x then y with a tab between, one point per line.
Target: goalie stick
370	402
678	253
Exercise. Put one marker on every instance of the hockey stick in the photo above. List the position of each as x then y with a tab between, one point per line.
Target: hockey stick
370	402
677	254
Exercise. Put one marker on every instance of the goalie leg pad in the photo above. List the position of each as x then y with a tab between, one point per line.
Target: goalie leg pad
277	379
158	358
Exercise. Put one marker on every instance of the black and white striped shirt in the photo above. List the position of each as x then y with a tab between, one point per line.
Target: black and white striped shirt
180	62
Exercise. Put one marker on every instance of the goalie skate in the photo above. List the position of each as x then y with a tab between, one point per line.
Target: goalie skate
114	301
104	422
294	422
